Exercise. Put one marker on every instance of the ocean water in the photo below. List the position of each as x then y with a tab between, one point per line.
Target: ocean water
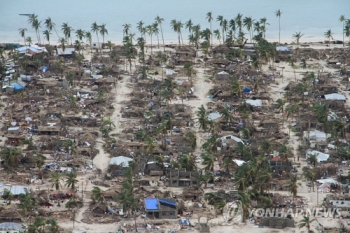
311	17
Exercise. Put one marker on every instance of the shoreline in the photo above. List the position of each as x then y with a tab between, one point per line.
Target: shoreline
310	41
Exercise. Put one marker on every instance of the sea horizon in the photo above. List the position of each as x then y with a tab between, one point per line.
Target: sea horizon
307	17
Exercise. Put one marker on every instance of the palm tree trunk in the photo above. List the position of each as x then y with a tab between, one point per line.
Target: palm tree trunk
181	38
158	40
223	39
161	30
211	37
279	29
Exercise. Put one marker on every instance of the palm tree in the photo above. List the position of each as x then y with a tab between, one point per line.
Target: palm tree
311	176
232	26
50	25
7	195
22	32
305	222
342	19
226	115
278	14
206	34
109	122
189	70
39	224
263	21
322	113
329	36
56	180
187	162
39	162
29	41
293	186
11	156
265	147
109	45
205	178
47	34
80	34
208	161
67	30
35	23
52	225
149	30
189	25
238	20
156	31
248	23
88	37
210	19
191	137
312	158
97	195
347	29
221	19
202	118
217	35
141	28
285	152
150	145
27	202
301	89
211	144
159	21
126	29
297	36
176	26
71	180
96	28
103	32
236	87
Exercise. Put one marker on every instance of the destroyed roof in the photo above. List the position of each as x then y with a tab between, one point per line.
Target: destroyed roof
12	226
17	190
255	103
320	156
334	96
121	161
48	128
66	51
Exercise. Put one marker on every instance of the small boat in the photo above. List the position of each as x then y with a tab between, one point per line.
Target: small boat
25	14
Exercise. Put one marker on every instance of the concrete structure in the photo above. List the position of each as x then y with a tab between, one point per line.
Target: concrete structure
182	178
160	208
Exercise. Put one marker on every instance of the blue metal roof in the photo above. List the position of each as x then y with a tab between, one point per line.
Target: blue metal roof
151	204
167	202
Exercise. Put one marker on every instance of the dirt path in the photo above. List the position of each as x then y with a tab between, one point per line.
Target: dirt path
120	92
